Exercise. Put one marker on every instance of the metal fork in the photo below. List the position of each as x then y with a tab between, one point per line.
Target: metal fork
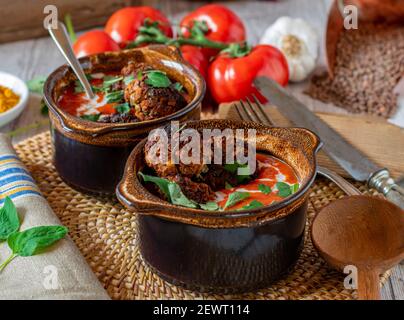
254	111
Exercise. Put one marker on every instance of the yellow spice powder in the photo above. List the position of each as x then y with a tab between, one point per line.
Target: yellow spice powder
8	99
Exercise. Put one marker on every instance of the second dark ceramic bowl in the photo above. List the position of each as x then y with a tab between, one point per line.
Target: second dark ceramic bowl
225	251
91	156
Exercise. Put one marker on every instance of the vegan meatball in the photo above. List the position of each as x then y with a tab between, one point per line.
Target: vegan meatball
150	102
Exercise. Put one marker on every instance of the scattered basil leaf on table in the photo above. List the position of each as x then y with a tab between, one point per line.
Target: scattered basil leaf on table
122	108
252	205
157	79
9	221
235	198
209	206
91	117
284	190
44	108
34	240
264	188
36	84
28	242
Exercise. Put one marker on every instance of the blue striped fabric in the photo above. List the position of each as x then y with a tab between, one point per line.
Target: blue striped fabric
15	180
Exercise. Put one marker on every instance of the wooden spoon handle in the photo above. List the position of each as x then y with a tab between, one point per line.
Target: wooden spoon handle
368	285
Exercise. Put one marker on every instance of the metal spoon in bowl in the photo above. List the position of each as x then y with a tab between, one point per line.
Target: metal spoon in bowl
61	38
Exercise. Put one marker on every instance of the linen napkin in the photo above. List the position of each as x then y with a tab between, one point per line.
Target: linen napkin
61	272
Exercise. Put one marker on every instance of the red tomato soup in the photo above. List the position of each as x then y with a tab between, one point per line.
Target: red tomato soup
74	100
276	180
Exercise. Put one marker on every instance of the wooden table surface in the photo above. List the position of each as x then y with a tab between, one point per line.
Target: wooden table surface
31	58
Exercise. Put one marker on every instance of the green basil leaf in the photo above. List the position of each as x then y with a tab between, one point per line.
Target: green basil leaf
178	197
115	96
78	88
128	79
122	108
32	241
252	205
284	189
9	221
209	206
264	188
178	86
157	79
139	75
228	186
160	182
36	84
171	190
110	80
233	168
44	108
294	187
91	117
235	198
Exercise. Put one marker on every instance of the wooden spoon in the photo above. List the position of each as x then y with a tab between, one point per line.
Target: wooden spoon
363	231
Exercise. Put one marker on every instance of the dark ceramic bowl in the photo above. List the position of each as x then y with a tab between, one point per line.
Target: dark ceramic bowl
91	156
230	251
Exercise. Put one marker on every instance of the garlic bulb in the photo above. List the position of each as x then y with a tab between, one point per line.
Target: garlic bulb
299	43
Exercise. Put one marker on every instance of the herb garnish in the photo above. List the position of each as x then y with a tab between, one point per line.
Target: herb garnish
171	190
122	108
252	205
285	190
233	168
235	198
209	206
157	79
178	86
91	117
115	96
128	79
28	242
264	188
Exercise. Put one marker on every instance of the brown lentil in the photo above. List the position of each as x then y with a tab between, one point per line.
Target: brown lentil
369	64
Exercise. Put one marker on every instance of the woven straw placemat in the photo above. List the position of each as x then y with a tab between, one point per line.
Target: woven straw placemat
107	237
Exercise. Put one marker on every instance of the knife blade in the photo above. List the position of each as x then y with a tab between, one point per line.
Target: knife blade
356	163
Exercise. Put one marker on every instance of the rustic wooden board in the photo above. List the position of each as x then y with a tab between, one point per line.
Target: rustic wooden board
375	137
22	19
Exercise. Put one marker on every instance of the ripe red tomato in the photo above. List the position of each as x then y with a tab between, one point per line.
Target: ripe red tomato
224	25
124	24
94	41
231	79
196	58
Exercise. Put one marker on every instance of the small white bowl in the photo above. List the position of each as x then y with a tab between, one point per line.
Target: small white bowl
20	88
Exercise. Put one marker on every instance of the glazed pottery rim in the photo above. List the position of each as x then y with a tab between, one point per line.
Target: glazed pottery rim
99	127
125	197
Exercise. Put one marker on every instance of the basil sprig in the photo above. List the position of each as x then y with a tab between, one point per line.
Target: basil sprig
122	108
114	96
9	221
28	242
